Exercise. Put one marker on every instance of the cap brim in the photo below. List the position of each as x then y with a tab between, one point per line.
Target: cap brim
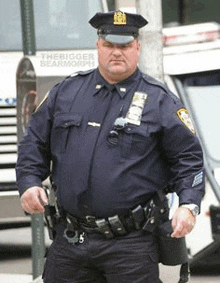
118	39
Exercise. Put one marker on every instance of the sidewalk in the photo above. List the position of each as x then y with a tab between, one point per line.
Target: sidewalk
15	278
18	278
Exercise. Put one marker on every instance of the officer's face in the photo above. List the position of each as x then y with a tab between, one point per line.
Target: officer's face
117	61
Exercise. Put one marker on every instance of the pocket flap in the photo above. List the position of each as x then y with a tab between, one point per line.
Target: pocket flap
65	120
139	130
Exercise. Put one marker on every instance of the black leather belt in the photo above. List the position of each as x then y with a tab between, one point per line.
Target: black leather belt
115	225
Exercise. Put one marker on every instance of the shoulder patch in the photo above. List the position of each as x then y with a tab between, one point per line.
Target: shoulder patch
185	119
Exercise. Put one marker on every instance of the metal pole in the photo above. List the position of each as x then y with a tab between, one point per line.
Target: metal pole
27	21
37	222
38	244
105	5
183	11
151	59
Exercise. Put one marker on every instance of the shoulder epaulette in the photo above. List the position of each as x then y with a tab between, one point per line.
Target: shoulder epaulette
155	82
70	77
82	73
79	73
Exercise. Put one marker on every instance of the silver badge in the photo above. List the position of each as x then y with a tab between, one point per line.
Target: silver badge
136	108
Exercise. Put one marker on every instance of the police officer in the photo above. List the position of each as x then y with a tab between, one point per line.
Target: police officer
115	138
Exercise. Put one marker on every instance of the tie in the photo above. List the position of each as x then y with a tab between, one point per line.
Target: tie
102	102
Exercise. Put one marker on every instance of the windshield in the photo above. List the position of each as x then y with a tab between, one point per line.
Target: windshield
59	24
203	92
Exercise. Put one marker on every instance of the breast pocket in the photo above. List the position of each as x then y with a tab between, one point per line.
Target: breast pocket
63	123
135	141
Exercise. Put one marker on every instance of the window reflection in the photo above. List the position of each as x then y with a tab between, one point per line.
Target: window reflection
203	92
59	24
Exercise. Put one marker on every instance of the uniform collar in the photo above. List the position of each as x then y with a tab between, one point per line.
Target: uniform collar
121	87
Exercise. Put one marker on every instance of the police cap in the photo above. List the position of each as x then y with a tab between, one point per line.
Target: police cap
118	27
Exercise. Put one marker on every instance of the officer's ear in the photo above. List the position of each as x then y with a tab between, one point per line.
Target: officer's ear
138	44
97	42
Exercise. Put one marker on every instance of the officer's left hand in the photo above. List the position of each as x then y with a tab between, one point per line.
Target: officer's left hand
183	222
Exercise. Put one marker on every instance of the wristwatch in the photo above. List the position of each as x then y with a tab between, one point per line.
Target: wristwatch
192	207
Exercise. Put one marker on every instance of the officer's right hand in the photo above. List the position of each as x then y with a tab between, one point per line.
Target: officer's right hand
33	200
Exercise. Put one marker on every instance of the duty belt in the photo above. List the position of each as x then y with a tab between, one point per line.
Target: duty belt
141	217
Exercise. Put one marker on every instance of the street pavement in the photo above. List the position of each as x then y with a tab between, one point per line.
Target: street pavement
16	262
15	278
167	278
21	278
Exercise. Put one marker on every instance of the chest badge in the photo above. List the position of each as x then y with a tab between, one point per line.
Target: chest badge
185	119
135	110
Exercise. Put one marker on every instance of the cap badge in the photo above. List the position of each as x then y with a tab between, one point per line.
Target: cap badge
120	18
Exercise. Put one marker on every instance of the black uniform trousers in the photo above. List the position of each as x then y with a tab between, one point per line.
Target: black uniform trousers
132	258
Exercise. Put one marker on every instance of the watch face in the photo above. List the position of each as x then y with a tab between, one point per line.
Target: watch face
193	208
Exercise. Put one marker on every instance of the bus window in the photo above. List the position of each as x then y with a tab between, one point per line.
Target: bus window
59	24
10	26
63	24
203	92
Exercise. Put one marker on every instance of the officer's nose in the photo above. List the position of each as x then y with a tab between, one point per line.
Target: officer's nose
116	50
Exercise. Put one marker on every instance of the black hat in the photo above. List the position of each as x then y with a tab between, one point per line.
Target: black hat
118	27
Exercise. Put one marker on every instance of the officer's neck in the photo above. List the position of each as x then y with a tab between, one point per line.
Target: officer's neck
115	78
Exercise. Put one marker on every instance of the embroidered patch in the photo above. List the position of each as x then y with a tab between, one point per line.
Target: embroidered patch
185	118
198	179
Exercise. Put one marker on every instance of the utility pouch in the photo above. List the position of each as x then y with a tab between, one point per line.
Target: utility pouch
172	251
116	225
152	215
138	217
104	228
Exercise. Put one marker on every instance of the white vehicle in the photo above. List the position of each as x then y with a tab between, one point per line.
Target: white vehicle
65	44
192	71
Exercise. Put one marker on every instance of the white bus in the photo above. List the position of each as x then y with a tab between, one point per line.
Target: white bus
191	61
192	71
65	43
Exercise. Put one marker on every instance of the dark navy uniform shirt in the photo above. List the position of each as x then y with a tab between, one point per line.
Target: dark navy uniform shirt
95	177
